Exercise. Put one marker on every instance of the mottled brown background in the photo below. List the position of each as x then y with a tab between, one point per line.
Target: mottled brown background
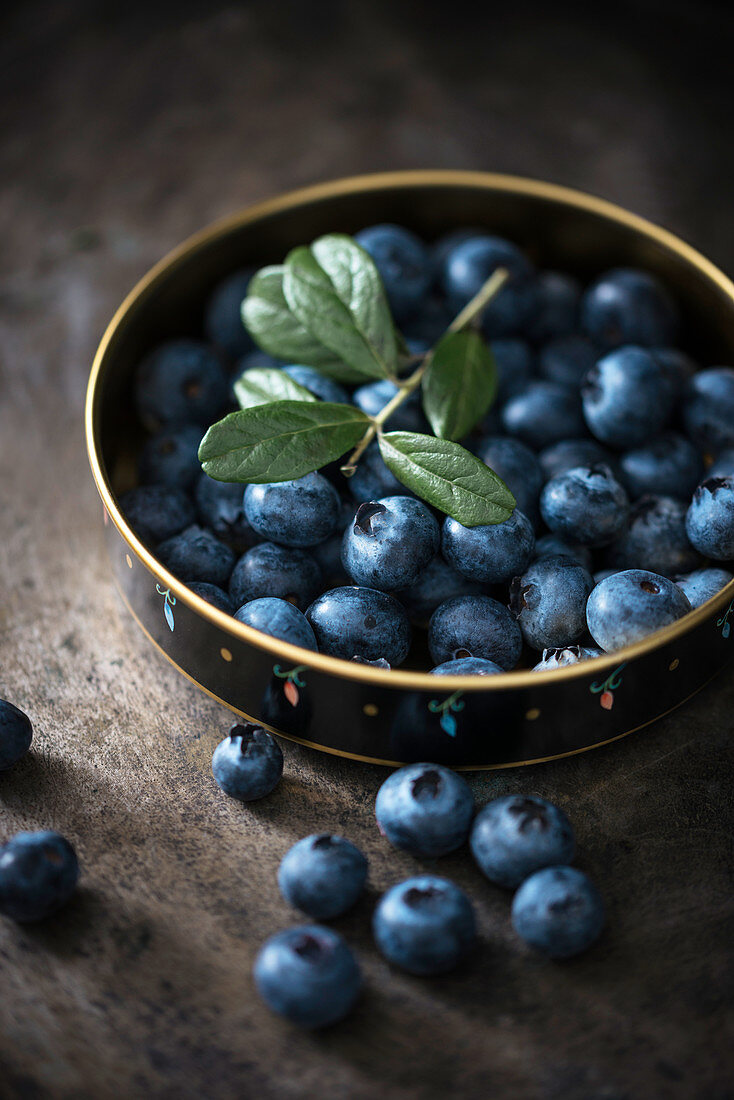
123	130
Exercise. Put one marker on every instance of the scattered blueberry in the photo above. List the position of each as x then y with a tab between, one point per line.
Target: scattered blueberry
626	397
629	605
279	619
710	518
626	306
285	572
322	875
16	734
360	622
703	584
156	512
197	555
425	809
549	602
708	409
474	626
38	874
492	553
248	764
217	597
180	382
544	413
678	367
585	504
403	262
558	911
516	835
309	975
389	542
293	513
425	925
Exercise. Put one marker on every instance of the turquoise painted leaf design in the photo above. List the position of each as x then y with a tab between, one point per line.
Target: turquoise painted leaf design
169	614
448	724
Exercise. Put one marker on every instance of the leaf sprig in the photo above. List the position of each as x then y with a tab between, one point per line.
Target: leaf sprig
326	308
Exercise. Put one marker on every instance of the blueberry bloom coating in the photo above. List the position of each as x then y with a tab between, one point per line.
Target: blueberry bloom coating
309	975
217	597
549	601
389	542
708	409
317	384
372	480
627	397
567	359
558	911
248	764
723	464
551	546
656	539
299	513
373	396
156	512
281	571
171	458
557	306
360	622
425	925
16	734
467	268
544	413
436	583
632	604
516	835
425	809
515	363
323	875
710	518
279	619
197	555
518	467
180	382
474	626
626	306
220	505
223	322
489	554
669	466
702	584
38	874
585	505
466	666
569	453
569	655
404	264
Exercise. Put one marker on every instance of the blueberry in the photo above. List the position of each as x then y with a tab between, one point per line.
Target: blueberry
626	306
558	911
630	605
297	513
544	413
516	835
372	480
317	384
470	264
220	505
518	467
656	539
723	464
424	925
309	975
568	453
569	655
626	397
248	764
566	359
360	622
223	322
549	602
323	875
16	734
474	626
403	262
373	396
256	359
389	542
551	546
437	582
467	666
678	367
425	809
197	555
38	874
279	619
585	505
515	364
171	457
180	382
703	584
445	245
281	571
489	554
156	512
213	595
557	306
668	466
708	410
710	518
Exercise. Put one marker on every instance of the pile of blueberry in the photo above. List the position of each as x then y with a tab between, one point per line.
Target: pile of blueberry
426	924
618	450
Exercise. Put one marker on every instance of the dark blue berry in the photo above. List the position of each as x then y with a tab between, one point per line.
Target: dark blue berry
557	306
281	571
223	322
16	734
294	513
373	396
197	555
38	874
569	655
585	505
220	505
360	622
317	384
389	542
515	364
437	583
655	539
544	413
627	398
551	546
404	264
569	453
668	466
425	925
566	359
372	480
518	467
425	809
489	554
632	604
322	875
467	666
703	584
708	409
558	911
626	306
549	602
710	518
156	512
470	264
279	619
180	382
516	835
213	595
474	626
248	764
171	457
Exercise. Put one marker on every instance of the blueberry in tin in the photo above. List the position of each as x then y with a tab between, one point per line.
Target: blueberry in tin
322	875
403	262
217	597
297	513
279	619
285	572
710	518
474	626
515	363
16	734
425	809
516	835
557	306
470	264
360	622
466	666
628	306
389	542
655	539
559	912
223	315
544	413
248	764
317	384
197	555
549	602
585	505
669	466
708	409
372	480
437	582
38	875
703	584
568	655
631	604
171	457
626	397
567	359
157	512
489	554
372	397
569	453
220	505
180	382
425	925
518	467
551	546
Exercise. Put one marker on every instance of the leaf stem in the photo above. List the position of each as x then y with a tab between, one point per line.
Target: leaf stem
474	309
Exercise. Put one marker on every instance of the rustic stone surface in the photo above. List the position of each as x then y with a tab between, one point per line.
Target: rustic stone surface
123	131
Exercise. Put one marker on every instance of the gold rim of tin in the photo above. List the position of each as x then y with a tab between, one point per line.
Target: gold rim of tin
421	178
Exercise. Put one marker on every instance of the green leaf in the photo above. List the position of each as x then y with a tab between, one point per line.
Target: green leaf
459	385
280	441
268	319
335	291
262	385
448	477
